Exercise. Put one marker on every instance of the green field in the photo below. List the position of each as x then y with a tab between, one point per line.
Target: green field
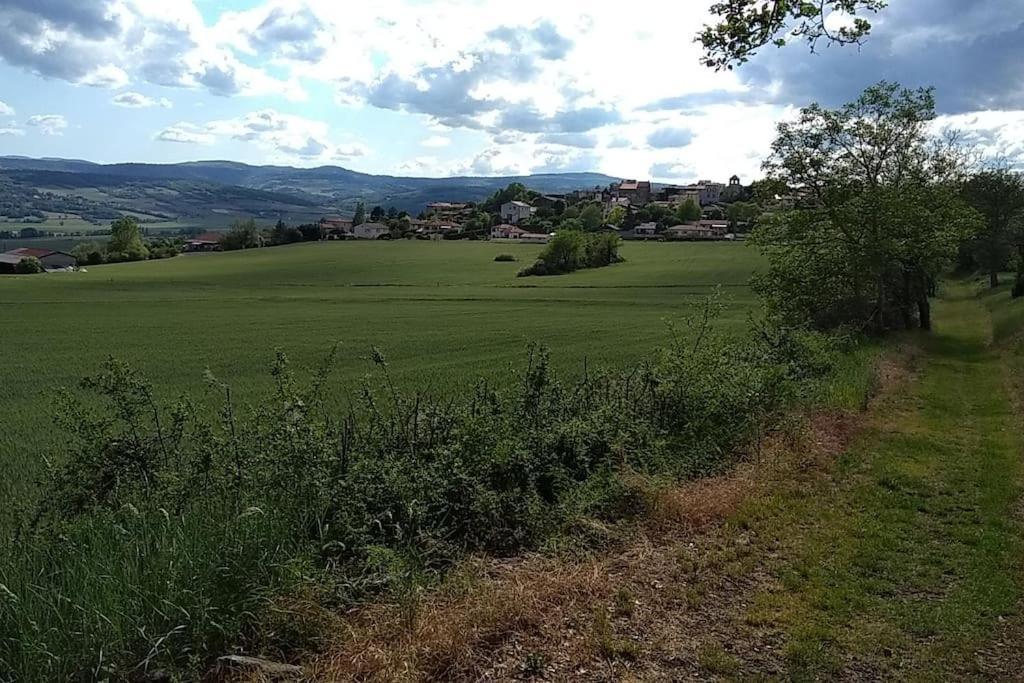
444	313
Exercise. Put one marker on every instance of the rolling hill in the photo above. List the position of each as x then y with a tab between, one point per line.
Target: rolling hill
203	190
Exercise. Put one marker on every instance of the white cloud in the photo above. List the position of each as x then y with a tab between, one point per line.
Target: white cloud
12	131
106	76
6	109
186	133
285	137
48	124
134	100
437	141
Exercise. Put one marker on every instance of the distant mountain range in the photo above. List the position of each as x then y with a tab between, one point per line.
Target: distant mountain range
210	189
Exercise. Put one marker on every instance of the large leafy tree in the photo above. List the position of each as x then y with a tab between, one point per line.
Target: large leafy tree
126	235
878	217
745	26
998	195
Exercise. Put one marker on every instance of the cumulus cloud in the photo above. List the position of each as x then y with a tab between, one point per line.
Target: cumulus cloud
134	100
665	138
186	133
11	131
286	135
6	109
48	124
290	34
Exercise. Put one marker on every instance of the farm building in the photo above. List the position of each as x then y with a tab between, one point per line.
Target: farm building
335	228
208	241
51	260
515	212
370	231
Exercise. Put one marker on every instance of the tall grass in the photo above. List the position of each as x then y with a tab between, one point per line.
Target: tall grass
167	532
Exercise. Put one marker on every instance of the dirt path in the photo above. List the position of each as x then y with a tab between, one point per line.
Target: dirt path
892	550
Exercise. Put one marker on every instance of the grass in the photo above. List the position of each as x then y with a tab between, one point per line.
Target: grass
913	562
442	312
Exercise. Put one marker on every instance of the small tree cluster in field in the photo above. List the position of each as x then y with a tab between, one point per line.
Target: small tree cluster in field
165	529
125	244
29	265
571	250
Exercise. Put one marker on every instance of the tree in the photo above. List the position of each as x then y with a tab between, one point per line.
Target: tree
126	237
879	219
616	216
998	195
745	26
242	235
377	214
742	212
591	217
29	265
688	211
360	216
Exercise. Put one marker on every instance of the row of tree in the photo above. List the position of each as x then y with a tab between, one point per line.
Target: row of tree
883	208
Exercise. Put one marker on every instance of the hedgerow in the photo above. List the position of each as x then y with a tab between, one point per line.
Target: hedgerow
167	530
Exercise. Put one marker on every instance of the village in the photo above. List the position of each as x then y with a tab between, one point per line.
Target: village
635	210
631	209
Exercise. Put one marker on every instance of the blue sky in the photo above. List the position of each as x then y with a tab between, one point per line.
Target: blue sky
475	87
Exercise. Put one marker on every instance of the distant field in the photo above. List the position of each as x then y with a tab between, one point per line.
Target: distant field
444	313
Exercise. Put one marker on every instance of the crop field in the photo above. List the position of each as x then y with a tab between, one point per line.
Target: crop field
443	313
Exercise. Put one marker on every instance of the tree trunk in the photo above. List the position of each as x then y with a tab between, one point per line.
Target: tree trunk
924	313
993	279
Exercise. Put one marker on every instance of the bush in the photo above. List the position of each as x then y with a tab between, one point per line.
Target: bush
29	265
505	258
167	520
571	250
89	254
1018	287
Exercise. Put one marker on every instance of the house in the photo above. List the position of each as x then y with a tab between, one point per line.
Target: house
700	230
51	259
506	232
515	212
643	231
371	231
549	201
534	238
335	228
637	192
208	241
437	229
689	231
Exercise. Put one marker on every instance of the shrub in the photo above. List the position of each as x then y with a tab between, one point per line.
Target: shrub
89	254
1018	287
571	250
505	258
170	527
29	265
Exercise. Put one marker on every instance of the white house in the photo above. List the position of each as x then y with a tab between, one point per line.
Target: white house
506	232
370	231
515	212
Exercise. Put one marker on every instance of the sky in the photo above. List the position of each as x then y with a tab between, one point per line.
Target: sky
469	87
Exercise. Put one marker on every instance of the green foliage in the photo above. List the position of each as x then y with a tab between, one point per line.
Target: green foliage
616	216
571	250
881	218
998	195
89	254
745	26
126	241
243	235
506	258
742	212
360	215
591	217
29	265
688	212
172	525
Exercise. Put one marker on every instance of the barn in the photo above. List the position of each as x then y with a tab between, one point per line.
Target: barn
51	259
